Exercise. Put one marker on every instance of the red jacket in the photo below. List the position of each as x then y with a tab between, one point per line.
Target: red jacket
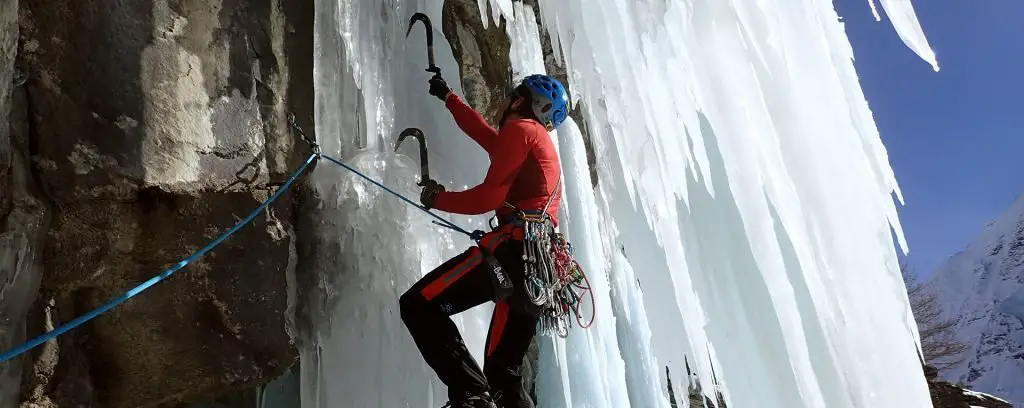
524	166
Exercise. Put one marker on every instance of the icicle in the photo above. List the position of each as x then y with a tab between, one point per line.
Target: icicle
742	181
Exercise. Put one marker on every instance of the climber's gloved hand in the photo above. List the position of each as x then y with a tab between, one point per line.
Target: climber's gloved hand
429	193
439	88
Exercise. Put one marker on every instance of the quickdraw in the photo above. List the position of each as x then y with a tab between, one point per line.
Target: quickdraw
554	282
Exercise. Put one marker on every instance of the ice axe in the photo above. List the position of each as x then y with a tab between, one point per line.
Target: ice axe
424	167
430	40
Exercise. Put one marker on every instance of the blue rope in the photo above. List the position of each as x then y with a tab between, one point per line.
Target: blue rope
50	335
443	222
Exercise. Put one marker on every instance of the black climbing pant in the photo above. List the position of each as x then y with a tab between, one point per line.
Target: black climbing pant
462	283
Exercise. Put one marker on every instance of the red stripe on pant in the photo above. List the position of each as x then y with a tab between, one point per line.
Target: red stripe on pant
438	286
490	241
498	322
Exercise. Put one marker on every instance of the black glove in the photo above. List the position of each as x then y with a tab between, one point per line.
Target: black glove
429	193
439	88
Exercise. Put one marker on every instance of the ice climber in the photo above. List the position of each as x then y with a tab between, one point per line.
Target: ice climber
522	181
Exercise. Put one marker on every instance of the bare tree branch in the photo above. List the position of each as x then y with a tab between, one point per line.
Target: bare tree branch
939	342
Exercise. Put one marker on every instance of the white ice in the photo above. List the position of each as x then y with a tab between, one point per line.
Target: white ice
904	20
371	84
742	221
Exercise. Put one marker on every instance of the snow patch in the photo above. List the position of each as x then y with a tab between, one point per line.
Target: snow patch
981	395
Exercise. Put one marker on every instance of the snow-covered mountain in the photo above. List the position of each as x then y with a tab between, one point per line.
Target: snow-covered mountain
983	288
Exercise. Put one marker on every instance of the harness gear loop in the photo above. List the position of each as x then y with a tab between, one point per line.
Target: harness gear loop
553	278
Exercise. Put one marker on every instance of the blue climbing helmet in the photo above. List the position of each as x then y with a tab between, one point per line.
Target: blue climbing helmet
548	99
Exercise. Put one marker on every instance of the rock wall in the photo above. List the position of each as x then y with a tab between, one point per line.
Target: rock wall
484	66
23	214
142	130
482	54
153	126
949	395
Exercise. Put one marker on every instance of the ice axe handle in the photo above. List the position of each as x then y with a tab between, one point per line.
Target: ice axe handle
432	67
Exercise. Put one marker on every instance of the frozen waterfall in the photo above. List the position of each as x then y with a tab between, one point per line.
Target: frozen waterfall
742	223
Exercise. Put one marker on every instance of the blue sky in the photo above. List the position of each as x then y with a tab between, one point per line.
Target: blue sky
955	137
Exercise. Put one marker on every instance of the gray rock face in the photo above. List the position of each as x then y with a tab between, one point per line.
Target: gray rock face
22	213
144	130
482	54
152	127
949	395
484	66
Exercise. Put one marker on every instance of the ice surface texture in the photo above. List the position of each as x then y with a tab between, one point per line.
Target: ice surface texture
743	221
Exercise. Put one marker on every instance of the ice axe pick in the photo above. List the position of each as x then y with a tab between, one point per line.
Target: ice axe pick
424	167
430	40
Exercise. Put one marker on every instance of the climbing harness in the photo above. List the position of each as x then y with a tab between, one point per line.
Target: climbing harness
554	282
500	282
552	272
